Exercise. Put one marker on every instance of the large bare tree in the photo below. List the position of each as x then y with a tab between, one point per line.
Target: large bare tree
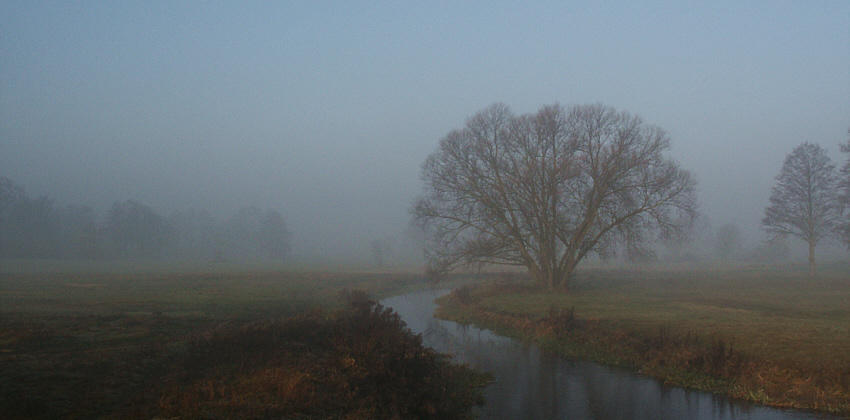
804	203
545	190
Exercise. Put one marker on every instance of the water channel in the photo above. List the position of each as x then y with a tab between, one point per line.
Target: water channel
533	384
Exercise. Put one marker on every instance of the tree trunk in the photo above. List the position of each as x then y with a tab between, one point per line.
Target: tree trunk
552	279
567	275
548	279
812	267
538	276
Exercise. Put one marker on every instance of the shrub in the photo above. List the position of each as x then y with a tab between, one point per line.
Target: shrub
358	363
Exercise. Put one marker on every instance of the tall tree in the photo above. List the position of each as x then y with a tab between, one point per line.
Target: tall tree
804	203
544	190
10	193
80	237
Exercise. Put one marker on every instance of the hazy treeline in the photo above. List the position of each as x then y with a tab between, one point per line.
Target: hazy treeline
38	228
726	242
810	202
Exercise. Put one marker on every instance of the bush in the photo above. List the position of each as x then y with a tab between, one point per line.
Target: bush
356	364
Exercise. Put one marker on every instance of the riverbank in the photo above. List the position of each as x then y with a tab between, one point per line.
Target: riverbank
762	334
237	344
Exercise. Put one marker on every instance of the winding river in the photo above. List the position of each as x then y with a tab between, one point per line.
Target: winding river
533	384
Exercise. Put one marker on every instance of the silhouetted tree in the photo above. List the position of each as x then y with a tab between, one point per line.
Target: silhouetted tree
253	233
198	235
544	190
10	193
804	203
33	229
79	235
135	230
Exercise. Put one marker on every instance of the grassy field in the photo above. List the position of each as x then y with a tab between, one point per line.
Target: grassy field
135	341
768	334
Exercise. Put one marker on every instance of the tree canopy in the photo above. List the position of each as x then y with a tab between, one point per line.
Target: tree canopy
805	201
545	190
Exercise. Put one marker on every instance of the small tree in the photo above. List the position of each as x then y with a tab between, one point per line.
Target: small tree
544	190
804	203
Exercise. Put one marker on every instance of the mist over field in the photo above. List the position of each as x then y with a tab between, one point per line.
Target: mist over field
324	112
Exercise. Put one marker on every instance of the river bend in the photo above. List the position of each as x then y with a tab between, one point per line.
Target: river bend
534	384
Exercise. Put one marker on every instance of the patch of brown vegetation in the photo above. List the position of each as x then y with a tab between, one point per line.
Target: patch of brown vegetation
712	363
354	363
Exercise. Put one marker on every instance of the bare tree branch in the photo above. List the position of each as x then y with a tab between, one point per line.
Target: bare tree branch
544	190
805	201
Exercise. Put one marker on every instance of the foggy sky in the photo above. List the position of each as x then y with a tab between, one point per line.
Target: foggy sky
326	110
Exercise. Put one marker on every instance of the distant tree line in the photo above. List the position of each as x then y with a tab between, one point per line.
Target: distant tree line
724	243
810	202
38	228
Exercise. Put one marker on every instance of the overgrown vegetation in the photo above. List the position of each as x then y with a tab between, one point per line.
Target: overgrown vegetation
763	334
218	345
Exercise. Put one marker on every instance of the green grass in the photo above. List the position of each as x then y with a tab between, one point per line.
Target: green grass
789	334
213	294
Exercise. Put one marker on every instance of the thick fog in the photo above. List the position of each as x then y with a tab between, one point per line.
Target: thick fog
325	111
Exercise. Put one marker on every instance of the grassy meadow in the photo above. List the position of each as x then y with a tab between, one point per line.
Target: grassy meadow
160	341
767	334
134	341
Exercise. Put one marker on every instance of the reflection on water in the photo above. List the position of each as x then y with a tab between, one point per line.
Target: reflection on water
532	384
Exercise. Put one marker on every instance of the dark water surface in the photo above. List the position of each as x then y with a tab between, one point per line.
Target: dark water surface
533	384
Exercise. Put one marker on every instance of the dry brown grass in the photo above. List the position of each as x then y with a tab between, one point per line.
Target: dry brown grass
761	333
207	345
359	363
